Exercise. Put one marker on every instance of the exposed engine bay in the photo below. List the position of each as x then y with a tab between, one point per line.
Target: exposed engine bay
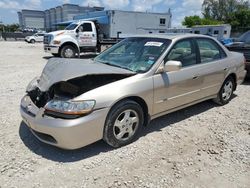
72	88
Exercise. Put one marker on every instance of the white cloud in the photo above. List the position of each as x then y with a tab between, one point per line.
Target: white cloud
186	8
108	4
65	1
117	4
149	5
17	5
91	3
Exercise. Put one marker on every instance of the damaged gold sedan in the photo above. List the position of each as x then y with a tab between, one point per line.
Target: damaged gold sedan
77	102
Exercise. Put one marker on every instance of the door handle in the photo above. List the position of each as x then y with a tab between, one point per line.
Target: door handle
195	77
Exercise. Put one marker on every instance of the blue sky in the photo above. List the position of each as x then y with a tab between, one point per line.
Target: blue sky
179	8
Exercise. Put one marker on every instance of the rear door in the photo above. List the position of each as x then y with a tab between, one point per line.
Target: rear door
87	35
213	67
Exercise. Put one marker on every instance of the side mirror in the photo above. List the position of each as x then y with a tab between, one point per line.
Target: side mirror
172	66
77	30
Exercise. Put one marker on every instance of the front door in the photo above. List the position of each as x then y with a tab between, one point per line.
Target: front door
87	35
174	89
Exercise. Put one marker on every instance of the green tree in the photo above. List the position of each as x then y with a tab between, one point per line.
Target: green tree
190	21
223	10
9	27
241	18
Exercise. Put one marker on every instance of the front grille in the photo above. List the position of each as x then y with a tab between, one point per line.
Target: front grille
47	39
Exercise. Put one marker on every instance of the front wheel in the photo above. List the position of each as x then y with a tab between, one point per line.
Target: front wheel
32	41
226	92
123	123
68	52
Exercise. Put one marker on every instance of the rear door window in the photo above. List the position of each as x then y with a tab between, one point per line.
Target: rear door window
209	50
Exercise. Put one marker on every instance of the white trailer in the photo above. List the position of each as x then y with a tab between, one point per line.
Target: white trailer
115	23
217	31
90	31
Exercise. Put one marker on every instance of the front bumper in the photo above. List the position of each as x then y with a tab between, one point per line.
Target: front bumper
51	49
63	133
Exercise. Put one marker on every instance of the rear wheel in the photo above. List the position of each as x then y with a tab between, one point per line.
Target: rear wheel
226	92
68	52
123	123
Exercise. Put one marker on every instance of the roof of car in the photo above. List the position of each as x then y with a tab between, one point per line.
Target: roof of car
169	36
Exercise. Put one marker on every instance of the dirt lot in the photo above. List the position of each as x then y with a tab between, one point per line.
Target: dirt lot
202	146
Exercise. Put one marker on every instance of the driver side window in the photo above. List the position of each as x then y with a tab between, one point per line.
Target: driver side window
184	52
86	27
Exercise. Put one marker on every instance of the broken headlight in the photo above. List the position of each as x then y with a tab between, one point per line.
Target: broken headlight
33	84
77	108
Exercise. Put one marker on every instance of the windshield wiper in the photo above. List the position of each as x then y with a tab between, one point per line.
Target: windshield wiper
114	65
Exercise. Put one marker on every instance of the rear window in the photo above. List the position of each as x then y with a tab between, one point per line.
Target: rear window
209	50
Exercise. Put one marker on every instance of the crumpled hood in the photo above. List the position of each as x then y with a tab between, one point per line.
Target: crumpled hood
58	69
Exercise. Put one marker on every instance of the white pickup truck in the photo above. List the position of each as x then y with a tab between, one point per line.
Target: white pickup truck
81	36
93	30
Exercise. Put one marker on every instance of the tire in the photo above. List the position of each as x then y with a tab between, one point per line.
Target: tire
226	92
123	123
32	41
55	55
68	52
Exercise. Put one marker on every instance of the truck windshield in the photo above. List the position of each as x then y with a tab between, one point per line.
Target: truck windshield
137	54
71	26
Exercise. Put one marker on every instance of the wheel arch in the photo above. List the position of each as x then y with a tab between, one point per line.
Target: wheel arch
70	44
234	77
141	102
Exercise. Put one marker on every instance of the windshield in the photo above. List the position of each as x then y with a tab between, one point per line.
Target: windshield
245	37
71	26
135	54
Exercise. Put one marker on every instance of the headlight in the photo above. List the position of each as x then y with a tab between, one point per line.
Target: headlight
70	107
33	84
56	42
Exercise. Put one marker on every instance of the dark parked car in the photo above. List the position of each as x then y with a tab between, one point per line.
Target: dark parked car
242	44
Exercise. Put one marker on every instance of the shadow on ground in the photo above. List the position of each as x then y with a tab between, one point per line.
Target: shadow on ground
60	155
246	81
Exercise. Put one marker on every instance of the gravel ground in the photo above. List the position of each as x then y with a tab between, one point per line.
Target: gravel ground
201	146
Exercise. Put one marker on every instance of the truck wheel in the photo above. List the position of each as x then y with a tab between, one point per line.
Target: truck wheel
98	48
226	92
68	52
32	41
123	123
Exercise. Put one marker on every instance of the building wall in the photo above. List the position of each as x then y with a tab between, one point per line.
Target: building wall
52	13
59	17
32	19
47	20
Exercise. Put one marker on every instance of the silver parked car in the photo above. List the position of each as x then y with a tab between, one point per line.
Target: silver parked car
77	102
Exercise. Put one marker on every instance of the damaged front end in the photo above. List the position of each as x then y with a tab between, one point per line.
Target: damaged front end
58	100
